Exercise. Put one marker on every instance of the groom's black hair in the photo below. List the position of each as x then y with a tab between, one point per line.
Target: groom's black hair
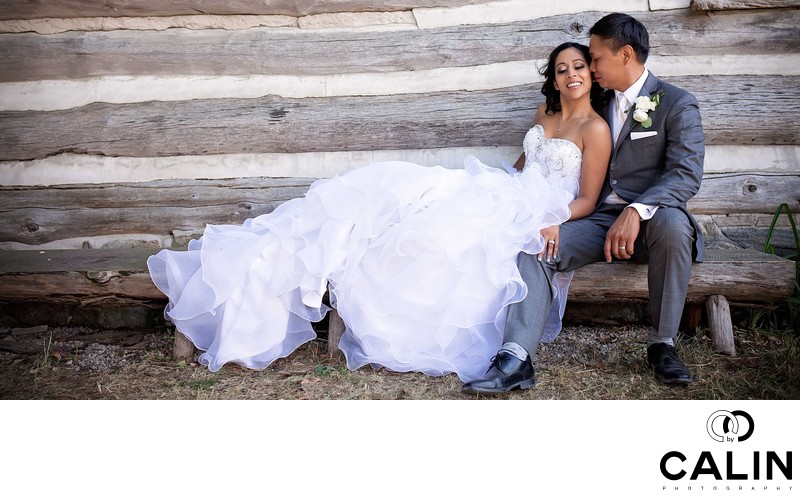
622	29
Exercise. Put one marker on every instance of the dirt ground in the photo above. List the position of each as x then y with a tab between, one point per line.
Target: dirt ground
597	362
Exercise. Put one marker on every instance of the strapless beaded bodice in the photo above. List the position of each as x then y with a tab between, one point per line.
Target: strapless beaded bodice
557	159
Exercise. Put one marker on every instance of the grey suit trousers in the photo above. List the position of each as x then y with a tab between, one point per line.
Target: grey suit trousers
665	242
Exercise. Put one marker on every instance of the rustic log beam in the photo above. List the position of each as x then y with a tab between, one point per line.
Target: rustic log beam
741	273
742	4
78	276
71	287
273	124
38	215
745	276
738	193
135	8
720	326
410	121
155	207
77	55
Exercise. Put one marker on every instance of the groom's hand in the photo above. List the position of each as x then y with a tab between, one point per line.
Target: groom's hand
622	235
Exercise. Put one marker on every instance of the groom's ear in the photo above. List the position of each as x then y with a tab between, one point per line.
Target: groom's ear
628	54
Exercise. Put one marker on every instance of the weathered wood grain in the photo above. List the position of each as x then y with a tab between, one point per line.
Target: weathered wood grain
10	9
71	287
434	120
336	329
740	193
37	215
153	207
74	55
272	124
719	325
742	4
742	276
182	348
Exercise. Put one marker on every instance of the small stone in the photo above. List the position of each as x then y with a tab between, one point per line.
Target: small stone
39	329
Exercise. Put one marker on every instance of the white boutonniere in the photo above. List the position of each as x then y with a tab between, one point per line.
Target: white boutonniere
642	106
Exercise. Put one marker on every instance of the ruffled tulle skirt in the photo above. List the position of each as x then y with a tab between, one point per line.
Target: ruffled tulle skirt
420	263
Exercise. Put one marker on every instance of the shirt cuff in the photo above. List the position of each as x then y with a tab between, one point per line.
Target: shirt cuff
645	211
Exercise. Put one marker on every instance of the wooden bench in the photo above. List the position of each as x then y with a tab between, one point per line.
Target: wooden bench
118	276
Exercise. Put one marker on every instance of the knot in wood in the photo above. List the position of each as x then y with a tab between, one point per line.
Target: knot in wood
277	114
749	188
102	277
32	227
245	205
575	28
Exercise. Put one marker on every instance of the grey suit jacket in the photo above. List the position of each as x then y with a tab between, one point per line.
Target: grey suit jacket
664	169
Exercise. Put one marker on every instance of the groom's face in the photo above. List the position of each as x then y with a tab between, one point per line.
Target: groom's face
607	66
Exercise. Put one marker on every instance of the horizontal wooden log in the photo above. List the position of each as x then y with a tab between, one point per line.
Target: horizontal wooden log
68	169
71	277
272	124
746	193
742	4
38	215
154	207
69	287
76	55
740	275
443	119
133	8
77	276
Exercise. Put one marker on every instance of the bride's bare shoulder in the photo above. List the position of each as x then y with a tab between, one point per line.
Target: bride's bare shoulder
596	125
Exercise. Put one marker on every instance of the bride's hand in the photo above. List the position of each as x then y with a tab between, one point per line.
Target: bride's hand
550	250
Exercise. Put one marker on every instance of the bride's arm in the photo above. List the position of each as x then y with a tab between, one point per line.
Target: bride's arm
596	154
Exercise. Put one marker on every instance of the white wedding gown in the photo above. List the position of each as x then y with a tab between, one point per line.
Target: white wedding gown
420	262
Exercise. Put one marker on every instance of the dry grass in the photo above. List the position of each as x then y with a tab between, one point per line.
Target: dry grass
584	363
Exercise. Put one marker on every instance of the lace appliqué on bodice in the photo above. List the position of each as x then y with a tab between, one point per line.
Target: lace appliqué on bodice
557	159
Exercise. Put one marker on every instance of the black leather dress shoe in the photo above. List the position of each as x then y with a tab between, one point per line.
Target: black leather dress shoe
506	373
668	367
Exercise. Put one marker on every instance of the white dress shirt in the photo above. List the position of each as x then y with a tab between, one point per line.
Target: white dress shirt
624	101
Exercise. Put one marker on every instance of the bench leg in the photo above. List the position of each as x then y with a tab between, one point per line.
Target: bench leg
692	315
720	325
335	332
182	348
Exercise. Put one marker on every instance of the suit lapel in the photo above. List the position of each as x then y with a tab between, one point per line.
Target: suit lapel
650	86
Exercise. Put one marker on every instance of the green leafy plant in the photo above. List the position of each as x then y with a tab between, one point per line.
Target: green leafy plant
787	312
324	370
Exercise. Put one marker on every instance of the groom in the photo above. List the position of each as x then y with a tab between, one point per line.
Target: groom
655	168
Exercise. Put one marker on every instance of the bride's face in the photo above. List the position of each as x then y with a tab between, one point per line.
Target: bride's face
573	78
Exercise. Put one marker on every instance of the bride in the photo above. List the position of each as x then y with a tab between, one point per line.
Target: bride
420	261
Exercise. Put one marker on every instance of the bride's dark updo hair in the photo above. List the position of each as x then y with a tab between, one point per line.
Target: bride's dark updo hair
553	96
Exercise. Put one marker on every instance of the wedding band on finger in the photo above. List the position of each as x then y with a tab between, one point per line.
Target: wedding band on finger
622	247
552	242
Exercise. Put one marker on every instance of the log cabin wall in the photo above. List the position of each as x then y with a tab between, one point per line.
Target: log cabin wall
132	122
